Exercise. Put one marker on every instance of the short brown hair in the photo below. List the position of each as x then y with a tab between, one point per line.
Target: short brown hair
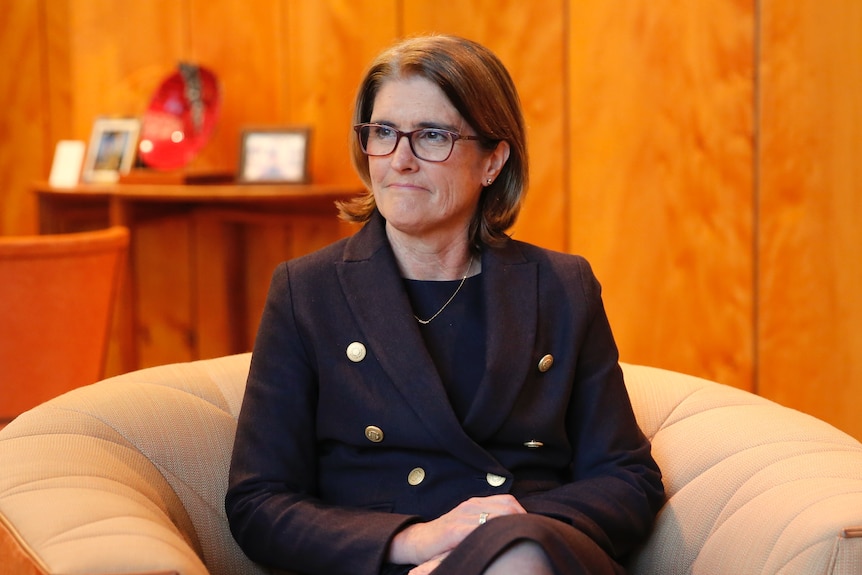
481	89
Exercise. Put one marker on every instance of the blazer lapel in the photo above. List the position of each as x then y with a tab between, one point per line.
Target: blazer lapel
369	277
511	312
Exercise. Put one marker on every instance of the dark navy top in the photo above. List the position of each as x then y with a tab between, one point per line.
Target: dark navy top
455	338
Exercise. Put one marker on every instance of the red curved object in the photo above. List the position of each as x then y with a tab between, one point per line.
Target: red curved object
180	118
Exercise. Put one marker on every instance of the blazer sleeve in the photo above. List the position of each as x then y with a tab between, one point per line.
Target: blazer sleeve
616	488
271	501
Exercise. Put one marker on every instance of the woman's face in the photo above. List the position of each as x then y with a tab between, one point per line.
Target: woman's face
428	200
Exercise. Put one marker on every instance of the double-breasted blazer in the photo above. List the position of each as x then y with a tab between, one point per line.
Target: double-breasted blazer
346	434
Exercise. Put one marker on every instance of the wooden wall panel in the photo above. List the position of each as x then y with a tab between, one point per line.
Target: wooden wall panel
810	296
57	73
117	53
242	42
529	37
715	260
329	46
660	121
23	147
110	60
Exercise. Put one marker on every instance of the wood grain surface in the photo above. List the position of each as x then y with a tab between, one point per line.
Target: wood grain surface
810	237
703	155
660	124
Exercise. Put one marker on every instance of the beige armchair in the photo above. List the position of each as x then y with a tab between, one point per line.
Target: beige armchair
128	475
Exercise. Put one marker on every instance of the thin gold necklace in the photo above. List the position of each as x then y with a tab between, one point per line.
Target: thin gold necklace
448	301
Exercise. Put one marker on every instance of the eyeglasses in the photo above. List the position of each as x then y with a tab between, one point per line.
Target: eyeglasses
429	144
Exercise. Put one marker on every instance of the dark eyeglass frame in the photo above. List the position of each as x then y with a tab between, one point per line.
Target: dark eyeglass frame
409	135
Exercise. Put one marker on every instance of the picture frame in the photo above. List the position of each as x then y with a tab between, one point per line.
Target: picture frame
112	149
276	155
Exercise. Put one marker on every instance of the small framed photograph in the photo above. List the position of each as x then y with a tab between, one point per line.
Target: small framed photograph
274	155
112	149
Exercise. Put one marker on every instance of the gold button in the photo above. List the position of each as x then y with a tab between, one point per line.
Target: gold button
416	476
533	444
495	480
356	352
374	433
546	362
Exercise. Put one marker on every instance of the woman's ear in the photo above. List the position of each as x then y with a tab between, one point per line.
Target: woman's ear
497	159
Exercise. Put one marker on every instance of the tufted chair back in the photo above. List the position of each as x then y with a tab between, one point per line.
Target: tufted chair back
128	476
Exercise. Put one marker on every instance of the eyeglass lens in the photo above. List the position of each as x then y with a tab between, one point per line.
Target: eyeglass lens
428	144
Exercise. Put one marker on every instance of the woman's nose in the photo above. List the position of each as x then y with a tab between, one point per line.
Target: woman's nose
403	154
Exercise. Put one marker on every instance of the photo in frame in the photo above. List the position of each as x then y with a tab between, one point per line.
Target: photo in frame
112	149
274	155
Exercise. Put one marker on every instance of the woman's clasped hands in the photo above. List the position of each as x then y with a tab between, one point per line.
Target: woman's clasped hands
427	544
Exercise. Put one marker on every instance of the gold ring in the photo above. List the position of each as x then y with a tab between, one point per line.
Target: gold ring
483	517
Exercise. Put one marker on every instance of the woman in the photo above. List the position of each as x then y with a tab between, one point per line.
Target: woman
430	395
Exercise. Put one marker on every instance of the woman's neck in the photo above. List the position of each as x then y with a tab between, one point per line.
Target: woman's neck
435	261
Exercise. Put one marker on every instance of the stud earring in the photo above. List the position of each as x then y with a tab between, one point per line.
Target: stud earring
489	181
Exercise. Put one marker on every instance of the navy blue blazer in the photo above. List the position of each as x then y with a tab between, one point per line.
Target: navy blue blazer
346	434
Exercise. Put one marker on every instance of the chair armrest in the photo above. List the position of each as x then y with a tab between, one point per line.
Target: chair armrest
127	475
87	502
753	487
16	558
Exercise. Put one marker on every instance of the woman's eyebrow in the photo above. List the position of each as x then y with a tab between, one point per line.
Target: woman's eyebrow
438	125
419	125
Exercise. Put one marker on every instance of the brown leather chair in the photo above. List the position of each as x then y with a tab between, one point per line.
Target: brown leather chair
57	295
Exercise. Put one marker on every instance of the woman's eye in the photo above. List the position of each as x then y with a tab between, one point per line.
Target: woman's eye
383	133
434	136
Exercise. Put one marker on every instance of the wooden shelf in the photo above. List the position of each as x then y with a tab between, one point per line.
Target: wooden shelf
200	257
